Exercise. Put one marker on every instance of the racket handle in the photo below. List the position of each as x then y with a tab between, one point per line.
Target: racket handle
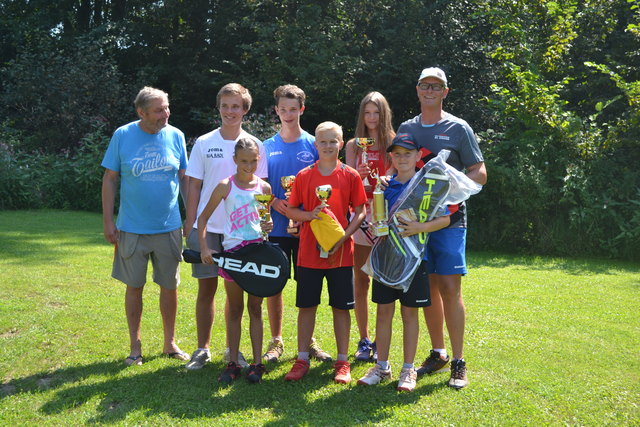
191	256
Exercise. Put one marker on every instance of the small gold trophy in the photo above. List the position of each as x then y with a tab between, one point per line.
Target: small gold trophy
365	143
323	192
287	183
263	209
379	214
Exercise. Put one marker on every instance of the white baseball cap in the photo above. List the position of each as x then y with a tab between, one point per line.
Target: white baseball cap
433	72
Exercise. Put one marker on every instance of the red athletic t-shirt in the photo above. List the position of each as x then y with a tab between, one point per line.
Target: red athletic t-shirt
346	191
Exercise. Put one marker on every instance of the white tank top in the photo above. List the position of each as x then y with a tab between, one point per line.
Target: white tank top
242	220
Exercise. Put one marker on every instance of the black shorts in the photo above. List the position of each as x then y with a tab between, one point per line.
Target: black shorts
339	284
418	294
290	247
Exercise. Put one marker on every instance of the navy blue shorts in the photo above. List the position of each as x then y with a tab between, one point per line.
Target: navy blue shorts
339	284
446	251
418	294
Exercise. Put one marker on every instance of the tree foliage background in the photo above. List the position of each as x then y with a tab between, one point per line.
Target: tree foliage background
552	89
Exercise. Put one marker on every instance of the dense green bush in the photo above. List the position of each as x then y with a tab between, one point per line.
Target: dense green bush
87	171
54	93
14	173
64	180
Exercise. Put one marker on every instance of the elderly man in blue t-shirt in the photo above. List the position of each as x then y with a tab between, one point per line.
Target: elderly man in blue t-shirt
149	158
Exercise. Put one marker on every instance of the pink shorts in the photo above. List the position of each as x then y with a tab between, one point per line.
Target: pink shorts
223	273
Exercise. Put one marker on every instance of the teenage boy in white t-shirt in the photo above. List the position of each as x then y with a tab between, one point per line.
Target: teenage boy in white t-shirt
211	161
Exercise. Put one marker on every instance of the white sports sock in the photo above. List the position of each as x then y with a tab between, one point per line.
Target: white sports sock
303	355
407	366
342	357
384	364
442	351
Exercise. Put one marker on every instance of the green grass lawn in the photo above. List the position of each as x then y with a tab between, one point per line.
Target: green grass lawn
549	341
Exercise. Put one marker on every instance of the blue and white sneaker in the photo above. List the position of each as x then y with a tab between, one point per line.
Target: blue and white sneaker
363	353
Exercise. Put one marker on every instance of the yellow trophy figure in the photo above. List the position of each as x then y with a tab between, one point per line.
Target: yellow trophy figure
263	209
323	193
379	215
287	183
365	143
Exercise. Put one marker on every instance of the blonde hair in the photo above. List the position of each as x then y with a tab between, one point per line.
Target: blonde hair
326	126
148	94
235	89
385	127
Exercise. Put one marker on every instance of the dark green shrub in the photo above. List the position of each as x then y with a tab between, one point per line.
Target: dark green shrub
87	172
14	173
54	93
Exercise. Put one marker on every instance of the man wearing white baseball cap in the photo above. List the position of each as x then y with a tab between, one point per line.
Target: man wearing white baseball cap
434	130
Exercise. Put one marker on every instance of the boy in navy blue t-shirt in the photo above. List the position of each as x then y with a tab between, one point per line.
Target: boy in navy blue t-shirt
405	155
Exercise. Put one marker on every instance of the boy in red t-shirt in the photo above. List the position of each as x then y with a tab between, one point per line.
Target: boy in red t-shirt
304	206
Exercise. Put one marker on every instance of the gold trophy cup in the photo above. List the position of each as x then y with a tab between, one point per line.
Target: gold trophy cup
365	143
379	215
323	192
287	183
263	209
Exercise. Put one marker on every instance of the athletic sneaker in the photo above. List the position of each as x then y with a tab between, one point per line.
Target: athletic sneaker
407	381
230	373
298	370
363	353
433	364
343	372
198	359
241	360
317	353
375	375
374	351
274	350
255	372
458	378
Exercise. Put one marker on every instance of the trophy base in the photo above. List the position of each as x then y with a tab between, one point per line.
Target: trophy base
292	229
381	230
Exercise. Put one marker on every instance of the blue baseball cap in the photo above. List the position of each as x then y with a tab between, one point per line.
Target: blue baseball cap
404	140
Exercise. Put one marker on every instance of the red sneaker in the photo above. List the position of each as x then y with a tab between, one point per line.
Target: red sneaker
298	370
343	372
230	373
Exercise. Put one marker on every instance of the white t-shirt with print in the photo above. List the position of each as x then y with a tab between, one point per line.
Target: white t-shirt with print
211	161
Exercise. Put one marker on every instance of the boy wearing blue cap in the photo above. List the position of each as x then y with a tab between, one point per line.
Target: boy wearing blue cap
405	154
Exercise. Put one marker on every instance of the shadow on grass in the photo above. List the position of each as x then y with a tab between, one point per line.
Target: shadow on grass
580	266
171	391
46	236
36	249
44	381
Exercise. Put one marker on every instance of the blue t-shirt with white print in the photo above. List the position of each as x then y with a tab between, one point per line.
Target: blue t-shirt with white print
283	159
148	165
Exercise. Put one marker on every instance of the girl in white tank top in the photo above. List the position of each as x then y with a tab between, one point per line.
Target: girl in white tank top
242	225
